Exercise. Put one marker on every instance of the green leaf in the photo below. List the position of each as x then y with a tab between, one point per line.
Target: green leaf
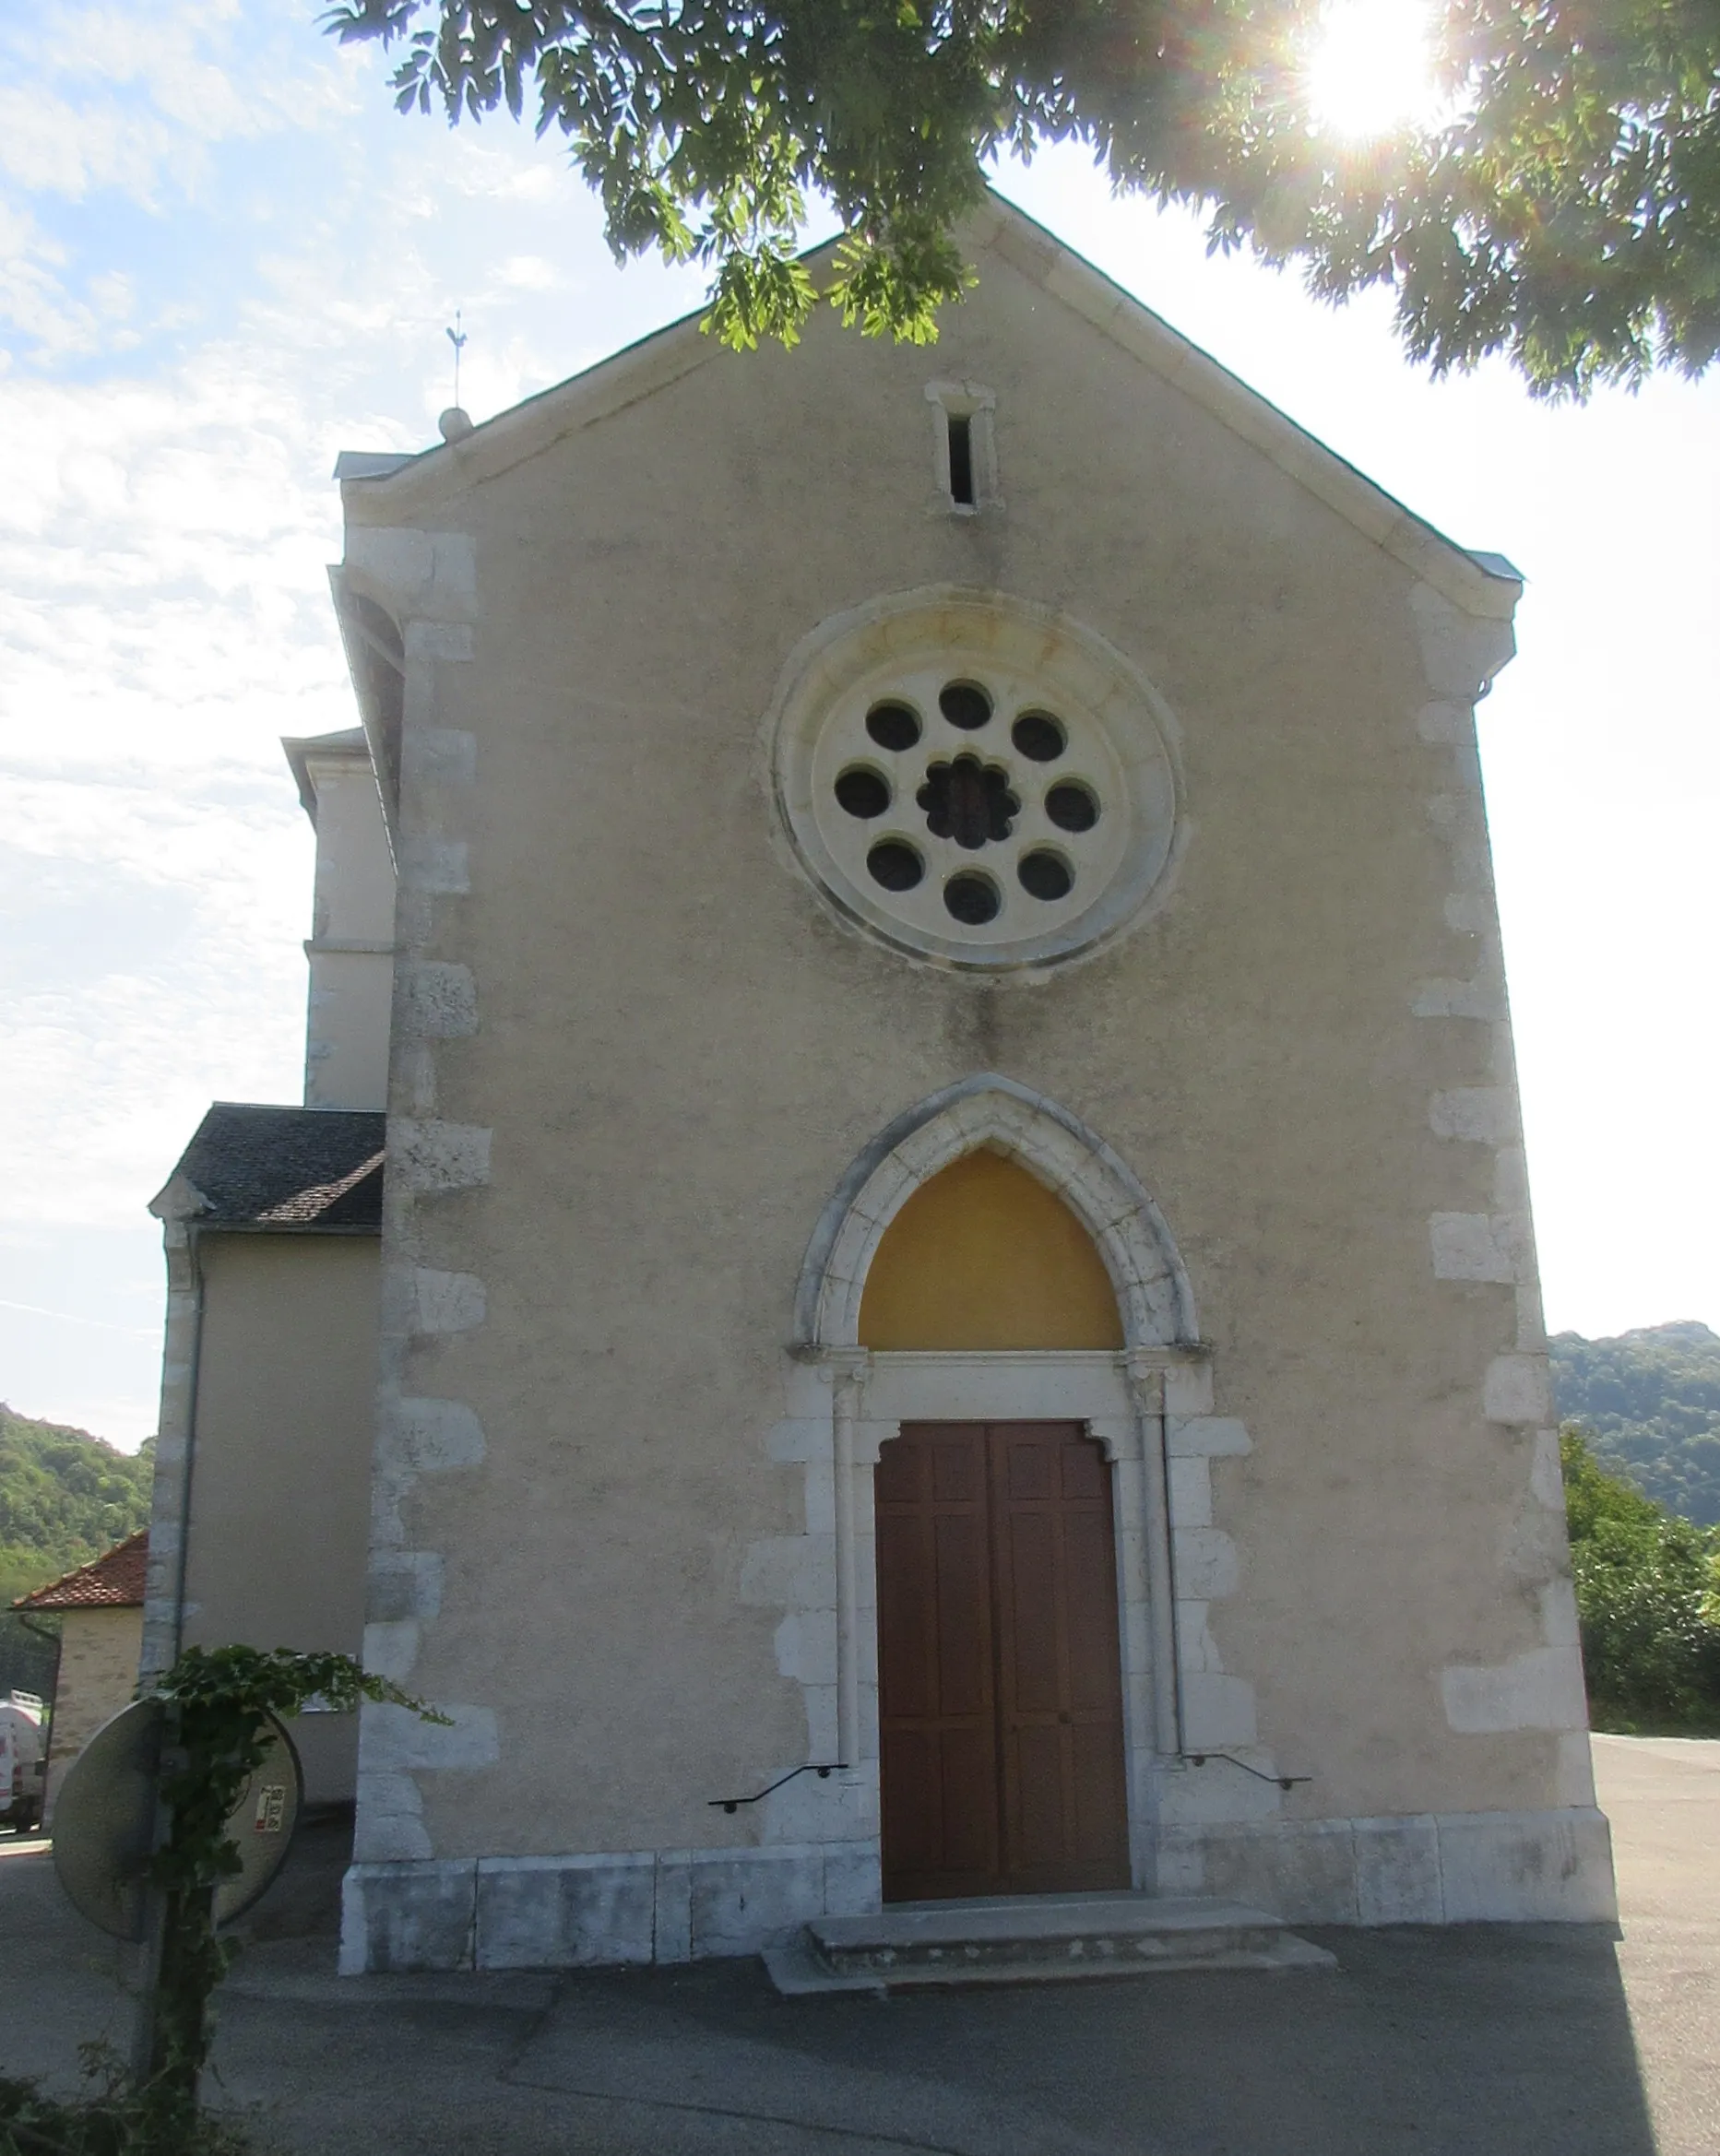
1567	214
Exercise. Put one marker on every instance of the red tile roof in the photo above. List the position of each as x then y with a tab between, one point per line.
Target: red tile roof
113	1581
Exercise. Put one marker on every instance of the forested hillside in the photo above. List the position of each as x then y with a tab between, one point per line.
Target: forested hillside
1649	1402
65	1497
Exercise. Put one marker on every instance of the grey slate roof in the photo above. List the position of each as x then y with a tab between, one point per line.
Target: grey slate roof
304	1168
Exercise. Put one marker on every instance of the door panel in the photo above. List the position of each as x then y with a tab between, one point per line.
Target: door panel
938	1717
962	1674
1090	1585
1001	1703
1027	1577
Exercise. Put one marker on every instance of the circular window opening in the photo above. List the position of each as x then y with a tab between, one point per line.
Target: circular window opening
965	705
1039	737
893	725
972	899
968	802
1045	874
895	865
972	781
1072	806
862	792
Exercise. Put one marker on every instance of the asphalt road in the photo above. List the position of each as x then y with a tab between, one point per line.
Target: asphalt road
1474	2040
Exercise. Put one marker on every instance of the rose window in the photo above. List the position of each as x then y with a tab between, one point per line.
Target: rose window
978	796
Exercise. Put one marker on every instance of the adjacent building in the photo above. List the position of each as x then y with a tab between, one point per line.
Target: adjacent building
99	1607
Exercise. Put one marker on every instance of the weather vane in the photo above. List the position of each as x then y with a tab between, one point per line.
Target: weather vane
457	337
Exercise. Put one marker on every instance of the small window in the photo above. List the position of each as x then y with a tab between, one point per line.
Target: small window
896	865
961	459
964	447
893	725
863	792
972	898
965	705
1072	806
1039	736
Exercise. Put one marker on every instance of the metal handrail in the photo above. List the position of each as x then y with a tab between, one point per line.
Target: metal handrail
1285	1781
733	1803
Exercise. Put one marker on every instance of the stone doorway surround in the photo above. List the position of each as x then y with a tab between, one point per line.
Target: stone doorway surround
1119	1398
846	1401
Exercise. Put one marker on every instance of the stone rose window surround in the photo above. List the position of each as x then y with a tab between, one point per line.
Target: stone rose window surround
975	779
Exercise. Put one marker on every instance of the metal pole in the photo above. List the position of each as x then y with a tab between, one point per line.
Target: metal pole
155	1901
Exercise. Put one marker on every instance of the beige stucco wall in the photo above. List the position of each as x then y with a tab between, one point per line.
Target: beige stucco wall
97	1675
672	1053
281	1473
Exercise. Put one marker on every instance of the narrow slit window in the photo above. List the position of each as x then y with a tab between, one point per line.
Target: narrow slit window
961	459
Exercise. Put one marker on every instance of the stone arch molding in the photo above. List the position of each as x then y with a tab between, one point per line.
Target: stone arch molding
1154	1297
1149	1405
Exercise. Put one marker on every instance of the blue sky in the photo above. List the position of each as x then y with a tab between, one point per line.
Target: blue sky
223	258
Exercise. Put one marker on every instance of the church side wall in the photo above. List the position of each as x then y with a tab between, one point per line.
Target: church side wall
633	1056
279	1484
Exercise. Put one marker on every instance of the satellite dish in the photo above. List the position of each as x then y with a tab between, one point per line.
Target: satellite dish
104	1821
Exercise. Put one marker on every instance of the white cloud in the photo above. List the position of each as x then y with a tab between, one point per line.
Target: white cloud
529	273
33	298
140	95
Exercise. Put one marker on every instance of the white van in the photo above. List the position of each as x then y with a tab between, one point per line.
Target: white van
22	1768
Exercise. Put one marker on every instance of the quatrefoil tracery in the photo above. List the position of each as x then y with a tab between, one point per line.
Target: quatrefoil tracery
968	802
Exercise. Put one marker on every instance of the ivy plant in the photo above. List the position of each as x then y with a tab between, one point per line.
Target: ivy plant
220	1701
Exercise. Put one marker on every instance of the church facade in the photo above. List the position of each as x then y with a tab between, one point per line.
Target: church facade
957	1310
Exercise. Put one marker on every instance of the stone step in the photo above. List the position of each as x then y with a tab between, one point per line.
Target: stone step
1033	1939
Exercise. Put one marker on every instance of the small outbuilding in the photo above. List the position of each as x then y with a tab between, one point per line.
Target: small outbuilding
101	1608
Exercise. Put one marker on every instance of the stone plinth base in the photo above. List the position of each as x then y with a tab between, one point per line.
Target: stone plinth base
585	1912
1425	1867
681	1906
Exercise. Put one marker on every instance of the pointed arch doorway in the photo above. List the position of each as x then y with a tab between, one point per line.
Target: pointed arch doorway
1110	1251
1000	1725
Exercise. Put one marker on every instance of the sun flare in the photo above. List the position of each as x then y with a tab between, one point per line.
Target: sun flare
1372	69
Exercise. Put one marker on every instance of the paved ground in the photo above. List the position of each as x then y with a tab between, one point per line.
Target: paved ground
1473	2042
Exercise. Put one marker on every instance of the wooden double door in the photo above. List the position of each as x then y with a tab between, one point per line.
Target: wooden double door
999	1678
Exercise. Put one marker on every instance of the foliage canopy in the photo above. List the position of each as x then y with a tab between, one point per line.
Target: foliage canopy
65	1497
1649	1405
1566	211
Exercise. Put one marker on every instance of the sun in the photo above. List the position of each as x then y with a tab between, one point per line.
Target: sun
1370	69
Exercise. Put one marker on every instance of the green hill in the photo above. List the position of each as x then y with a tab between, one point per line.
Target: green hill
65	1497
1649	1402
